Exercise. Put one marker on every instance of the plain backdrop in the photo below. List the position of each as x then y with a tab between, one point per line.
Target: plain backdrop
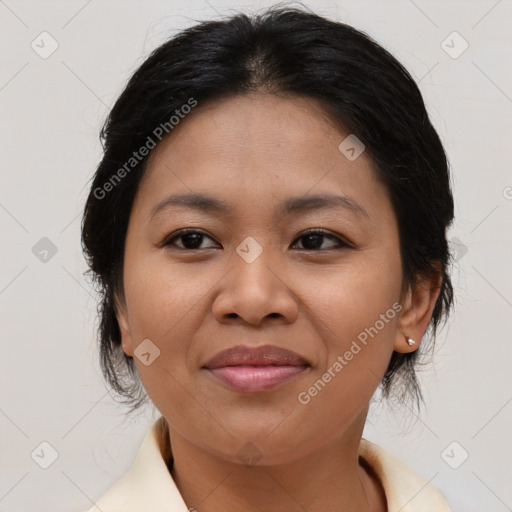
52	108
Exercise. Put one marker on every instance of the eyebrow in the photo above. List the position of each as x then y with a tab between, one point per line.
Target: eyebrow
295	205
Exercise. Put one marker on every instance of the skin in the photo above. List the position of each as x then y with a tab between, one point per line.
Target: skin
254	152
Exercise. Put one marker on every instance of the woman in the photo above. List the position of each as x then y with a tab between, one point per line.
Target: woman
267	227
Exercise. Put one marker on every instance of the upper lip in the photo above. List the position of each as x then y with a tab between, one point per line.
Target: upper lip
264	355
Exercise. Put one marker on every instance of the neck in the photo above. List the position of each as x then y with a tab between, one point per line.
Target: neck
331	478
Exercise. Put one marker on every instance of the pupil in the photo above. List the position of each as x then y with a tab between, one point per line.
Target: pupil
196	240
316	239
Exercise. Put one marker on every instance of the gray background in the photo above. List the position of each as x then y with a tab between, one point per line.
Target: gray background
51	111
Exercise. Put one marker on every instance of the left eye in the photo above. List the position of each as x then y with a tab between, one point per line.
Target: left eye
311	240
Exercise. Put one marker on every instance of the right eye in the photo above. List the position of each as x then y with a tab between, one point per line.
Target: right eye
190	239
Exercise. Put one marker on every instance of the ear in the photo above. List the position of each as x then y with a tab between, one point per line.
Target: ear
417	307
124	325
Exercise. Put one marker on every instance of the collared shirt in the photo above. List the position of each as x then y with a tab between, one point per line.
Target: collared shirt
148	485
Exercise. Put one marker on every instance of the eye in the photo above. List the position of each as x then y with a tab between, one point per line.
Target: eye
191	239
313	240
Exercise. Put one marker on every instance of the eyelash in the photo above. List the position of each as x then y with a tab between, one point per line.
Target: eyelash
342	244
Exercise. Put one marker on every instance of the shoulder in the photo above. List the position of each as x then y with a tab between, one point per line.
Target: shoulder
405	490
148	484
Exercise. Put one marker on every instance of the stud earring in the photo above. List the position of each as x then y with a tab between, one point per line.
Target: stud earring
411	342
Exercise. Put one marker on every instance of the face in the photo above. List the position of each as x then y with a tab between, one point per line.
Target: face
322	279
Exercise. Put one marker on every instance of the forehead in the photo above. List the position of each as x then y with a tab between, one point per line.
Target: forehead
255	124
262	147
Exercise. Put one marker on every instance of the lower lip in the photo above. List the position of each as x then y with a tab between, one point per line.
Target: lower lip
254	379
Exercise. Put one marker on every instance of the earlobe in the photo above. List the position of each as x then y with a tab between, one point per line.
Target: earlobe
418	306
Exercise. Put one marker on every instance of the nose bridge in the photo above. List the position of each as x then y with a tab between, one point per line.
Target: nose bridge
254	290
253	264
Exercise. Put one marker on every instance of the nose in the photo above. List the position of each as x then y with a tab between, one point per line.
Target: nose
255	290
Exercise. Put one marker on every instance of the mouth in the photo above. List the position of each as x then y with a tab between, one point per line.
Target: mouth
255	369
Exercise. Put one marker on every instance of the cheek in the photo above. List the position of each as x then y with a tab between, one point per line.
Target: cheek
161	295
161	304
349	298
355	310
167	305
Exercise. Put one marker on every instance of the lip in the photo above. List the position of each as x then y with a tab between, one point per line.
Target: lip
264	355
256	369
